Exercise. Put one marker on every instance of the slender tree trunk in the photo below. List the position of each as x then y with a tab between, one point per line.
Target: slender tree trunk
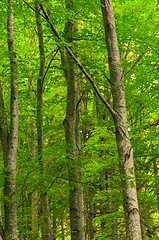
63	228
72	136
46	227
125	151
9	139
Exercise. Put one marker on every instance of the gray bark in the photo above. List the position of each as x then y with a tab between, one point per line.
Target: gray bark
9	139
72	136
125	150
63	228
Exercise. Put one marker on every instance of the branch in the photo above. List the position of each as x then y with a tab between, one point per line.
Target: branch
32	8
47	69
83	70
86	74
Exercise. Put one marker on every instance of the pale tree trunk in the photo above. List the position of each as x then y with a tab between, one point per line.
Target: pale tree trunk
72	136
46	226
125	151
9	139
63	228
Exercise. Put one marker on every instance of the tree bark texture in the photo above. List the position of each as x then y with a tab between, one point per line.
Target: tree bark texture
72	136
125	150
46	227
63	228
9	139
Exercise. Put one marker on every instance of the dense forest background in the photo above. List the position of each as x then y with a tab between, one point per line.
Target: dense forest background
69	174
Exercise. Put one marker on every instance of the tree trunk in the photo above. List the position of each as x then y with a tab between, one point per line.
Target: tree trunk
125	151
72	136
46	228
63	228
9	139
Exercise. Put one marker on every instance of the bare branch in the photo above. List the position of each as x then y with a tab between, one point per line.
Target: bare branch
47	69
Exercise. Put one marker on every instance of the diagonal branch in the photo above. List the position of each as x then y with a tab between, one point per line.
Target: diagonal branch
47	69
81	67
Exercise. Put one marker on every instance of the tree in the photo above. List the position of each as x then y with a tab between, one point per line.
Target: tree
72	134
9	137
125	149
46	228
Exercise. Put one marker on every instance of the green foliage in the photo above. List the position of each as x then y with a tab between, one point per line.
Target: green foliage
137	29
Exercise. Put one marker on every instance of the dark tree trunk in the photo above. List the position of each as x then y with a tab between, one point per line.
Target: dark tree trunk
46	227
